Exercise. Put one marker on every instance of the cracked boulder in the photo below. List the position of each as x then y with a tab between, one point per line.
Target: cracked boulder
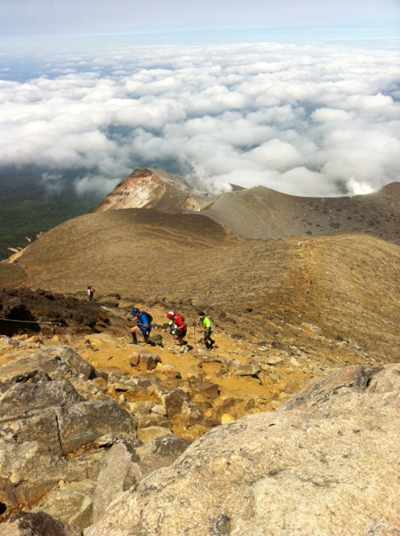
45	422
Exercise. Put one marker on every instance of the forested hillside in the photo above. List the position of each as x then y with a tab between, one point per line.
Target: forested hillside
28	208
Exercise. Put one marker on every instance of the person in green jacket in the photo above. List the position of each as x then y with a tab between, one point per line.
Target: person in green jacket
206	330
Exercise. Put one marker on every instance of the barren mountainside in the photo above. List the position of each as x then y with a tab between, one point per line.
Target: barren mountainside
262	213
345	283
303	293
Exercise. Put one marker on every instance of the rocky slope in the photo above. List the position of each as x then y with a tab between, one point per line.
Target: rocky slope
330	294
326	463
95	446
84	416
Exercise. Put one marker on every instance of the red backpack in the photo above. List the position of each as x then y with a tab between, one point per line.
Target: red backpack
181	320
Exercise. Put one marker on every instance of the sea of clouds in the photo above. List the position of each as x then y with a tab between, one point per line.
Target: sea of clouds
310	120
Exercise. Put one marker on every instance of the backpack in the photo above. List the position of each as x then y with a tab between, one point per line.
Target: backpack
181	317
149	317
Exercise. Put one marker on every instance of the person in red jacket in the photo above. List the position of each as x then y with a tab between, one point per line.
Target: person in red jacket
178	327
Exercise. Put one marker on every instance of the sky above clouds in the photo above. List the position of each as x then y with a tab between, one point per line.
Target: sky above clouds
86	89
48	17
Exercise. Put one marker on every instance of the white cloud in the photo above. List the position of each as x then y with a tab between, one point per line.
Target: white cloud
277	154
295	119
358	188
325	115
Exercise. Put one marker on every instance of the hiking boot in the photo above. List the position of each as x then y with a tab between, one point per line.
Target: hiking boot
134	339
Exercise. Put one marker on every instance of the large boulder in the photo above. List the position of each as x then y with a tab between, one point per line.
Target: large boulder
70	502
326	464
57	363
45	421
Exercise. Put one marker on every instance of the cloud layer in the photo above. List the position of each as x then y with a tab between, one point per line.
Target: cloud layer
304	120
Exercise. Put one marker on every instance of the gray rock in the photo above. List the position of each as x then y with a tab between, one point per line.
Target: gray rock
23	400
119	471
43	418
250	369
57	363
152	420
86	421
160	452
29	471
152	432
208	390
147	361
70	503
174	401
328	466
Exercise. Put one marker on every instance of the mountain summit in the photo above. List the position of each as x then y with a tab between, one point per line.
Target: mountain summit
150	188
261	213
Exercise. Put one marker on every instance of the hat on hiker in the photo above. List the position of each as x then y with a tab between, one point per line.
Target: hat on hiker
201	315
170	315
135	311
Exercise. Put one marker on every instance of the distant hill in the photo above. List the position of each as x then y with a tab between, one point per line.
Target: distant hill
261	213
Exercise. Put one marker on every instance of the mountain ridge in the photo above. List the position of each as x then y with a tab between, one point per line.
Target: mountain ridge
262	213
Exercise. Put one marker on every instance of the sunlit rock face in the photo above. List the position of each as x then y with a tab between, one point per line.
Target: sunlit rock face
148	188
329	465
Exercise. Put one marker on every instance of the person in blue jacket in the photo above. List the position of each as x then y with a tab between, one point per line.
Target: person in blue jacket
143	325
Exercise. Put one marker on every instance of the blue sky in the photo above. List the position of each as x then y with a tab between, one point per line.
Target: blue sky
301	97
25	23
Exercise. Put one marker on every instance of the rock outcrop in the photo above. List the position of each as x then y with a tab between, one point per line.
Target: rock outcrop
44	419
326	464
68	439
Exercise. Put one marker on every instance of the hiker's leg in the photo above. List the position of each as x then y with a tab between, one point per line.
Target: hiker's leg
146	334
134	331
206	340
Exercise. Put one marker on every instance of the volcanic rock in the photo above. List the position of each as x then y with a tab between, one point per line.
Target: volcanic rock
119	471
43	419
330	468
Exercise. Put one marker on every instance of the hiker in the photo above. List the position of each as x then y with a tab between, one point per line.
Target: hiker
178	328
90	292
207	329
143	325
